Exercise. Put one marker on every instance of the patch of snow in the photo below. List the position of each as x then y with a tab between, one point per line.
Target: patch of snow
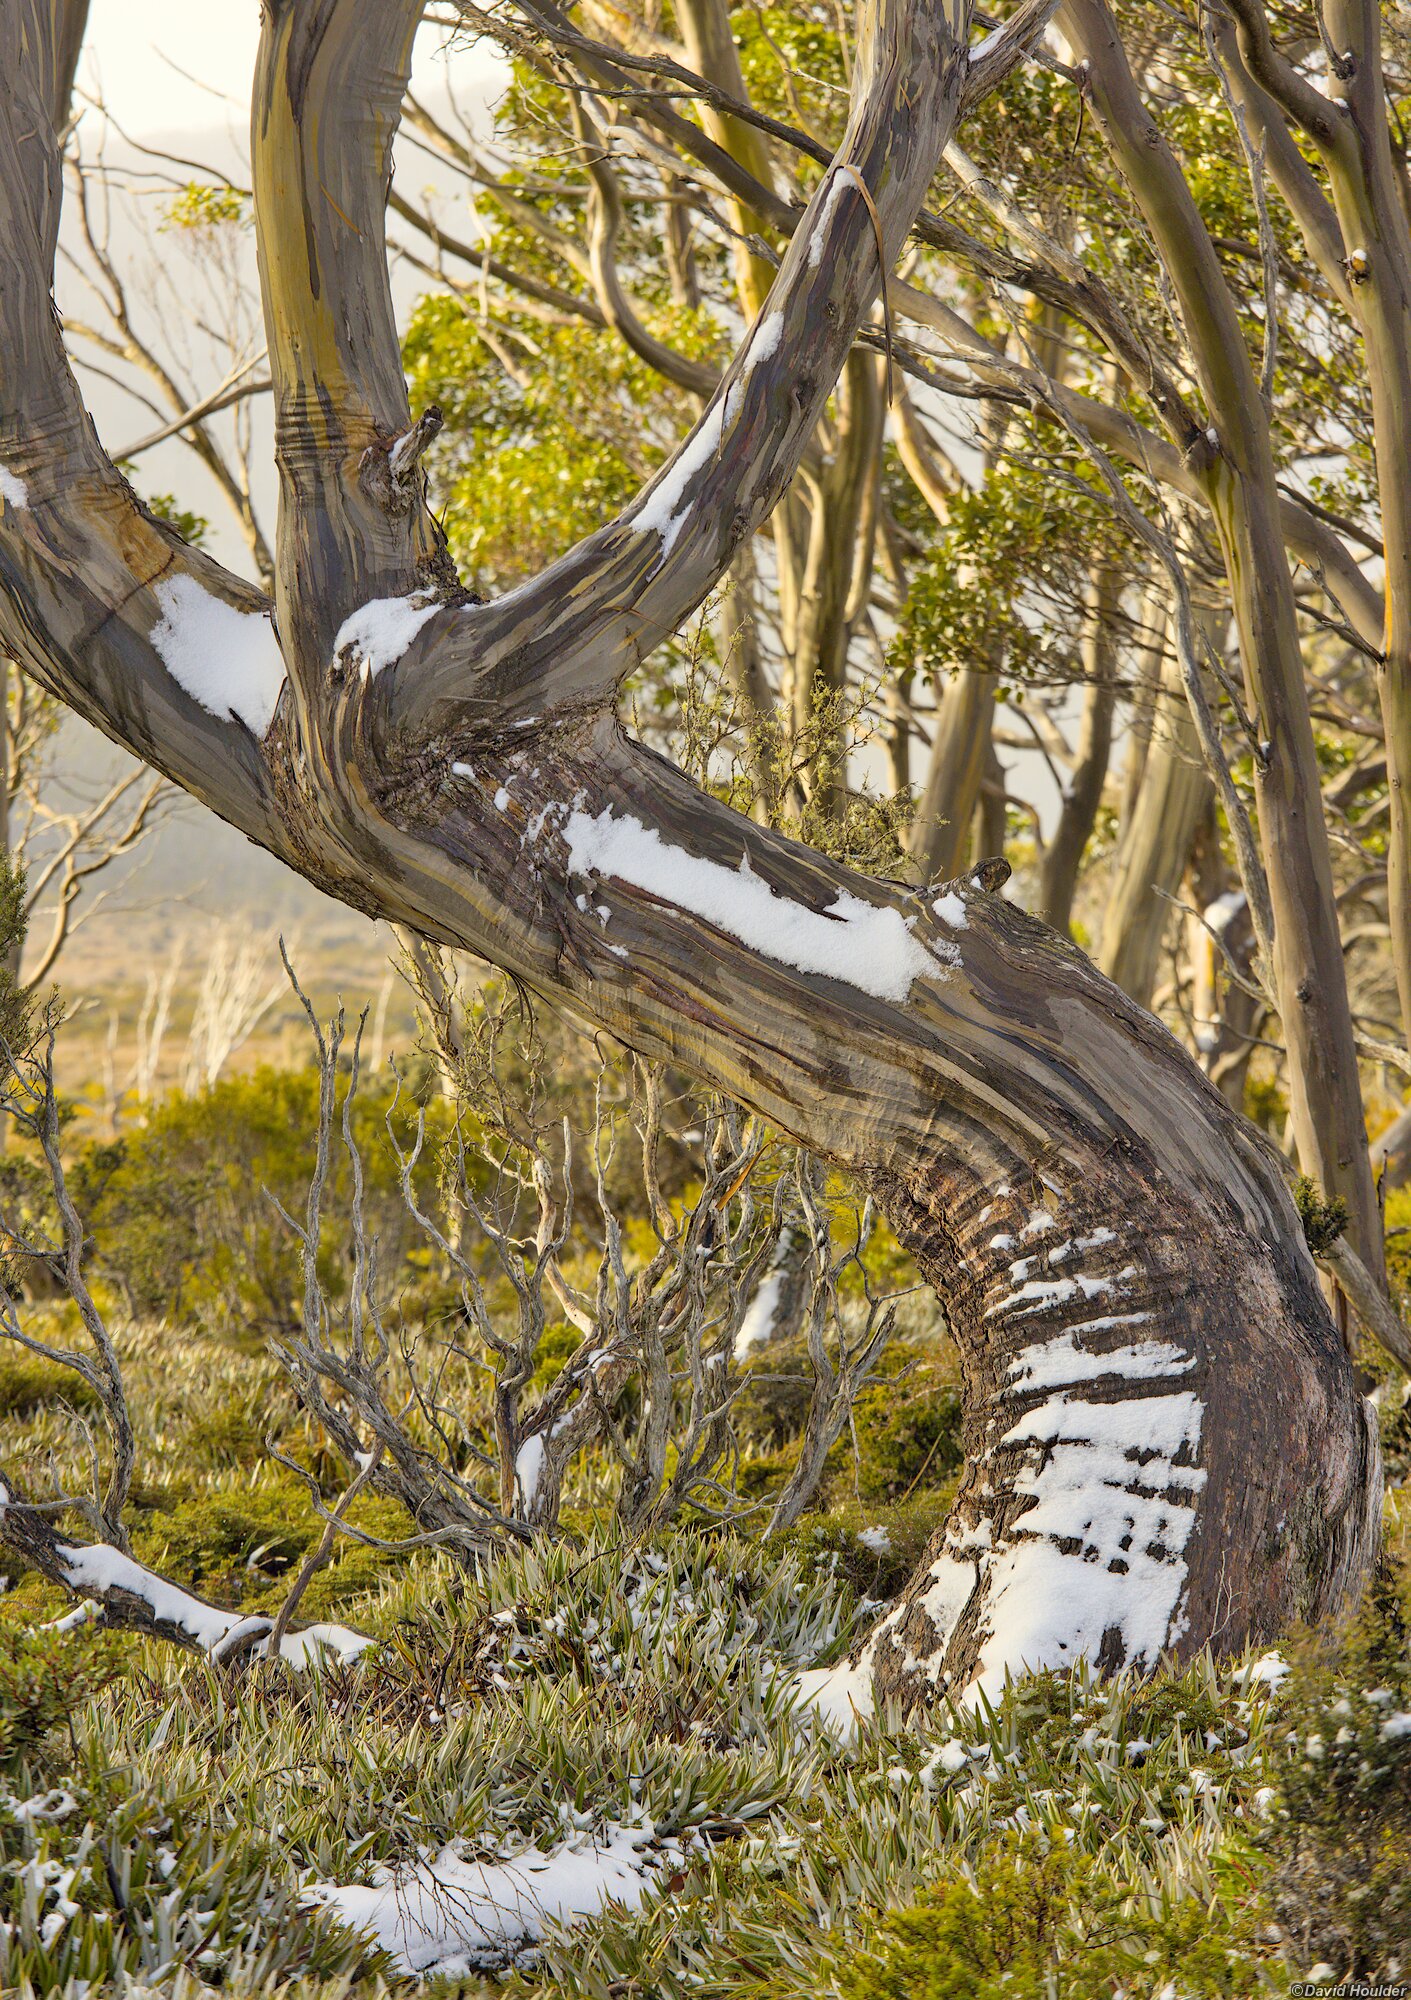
82	1614
97	1567
876	1539
451	1916
840	1696
1057	1363
528	1466
865	945
1396	1725
227	660
1078	1245
1037	1295
950	908
758	1322
1103	1545
952	1758
837	181
314	1643
664	510
52	1805
381	631
1270	1670
767	337
13	490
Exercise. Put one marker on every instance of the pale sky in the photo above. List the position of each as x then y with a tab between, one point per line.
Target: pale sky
137	48
214	42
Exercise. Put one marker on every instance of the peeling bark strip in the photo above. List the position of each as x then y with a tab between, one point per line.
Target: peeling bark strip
1165	1443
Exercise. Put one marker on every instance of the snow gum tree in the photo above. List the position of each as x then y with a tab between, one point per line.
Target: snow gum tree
1166	1446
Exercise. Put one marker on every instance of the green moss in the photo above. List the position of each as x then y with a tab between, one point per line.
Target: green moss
879	1566
908	1435
1034	1920
239	1544
29	1383
45	1677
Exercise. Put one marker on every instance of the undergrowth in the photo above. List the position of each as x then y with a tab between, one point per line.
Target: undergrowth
1212	1832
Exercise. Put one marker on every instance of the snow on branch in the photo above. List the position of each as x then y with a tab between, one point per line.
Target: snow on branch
133	1596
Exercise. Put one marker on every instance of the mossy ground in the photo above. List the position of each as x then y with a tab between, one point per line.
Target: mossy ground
159	1820
1201	1834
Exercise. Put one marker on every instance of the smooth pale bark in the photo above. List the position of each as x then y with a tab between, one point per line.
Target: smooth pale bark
1123	1266
1225	1007
962	731
960	751
1362	244
837	569
1058	874
1238	475
1155	844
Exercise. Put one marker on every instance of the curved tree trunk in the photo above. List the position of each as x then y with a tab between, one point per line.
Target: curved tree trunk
1166	1443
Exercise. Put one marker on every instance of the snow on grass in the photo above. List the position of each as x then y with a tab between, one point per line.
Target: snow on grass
451	1916
871	947
840	1696
1270	1670
381	631
13	490
227	660
876	1539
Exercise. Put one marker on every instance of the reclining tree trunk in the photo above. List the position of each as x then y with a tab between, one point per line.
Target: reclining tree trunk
1165	1443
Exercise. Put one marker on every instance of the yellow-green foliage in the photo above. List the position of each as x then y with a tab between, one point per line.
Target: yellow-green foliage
28	1383
1033	1918
44	1678
182	1211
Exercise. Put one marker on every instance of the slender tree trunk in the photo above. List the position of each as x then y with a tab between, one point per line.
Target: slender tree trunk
1239	478
1361	243
960	752
1063	857
837	570
1155	844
